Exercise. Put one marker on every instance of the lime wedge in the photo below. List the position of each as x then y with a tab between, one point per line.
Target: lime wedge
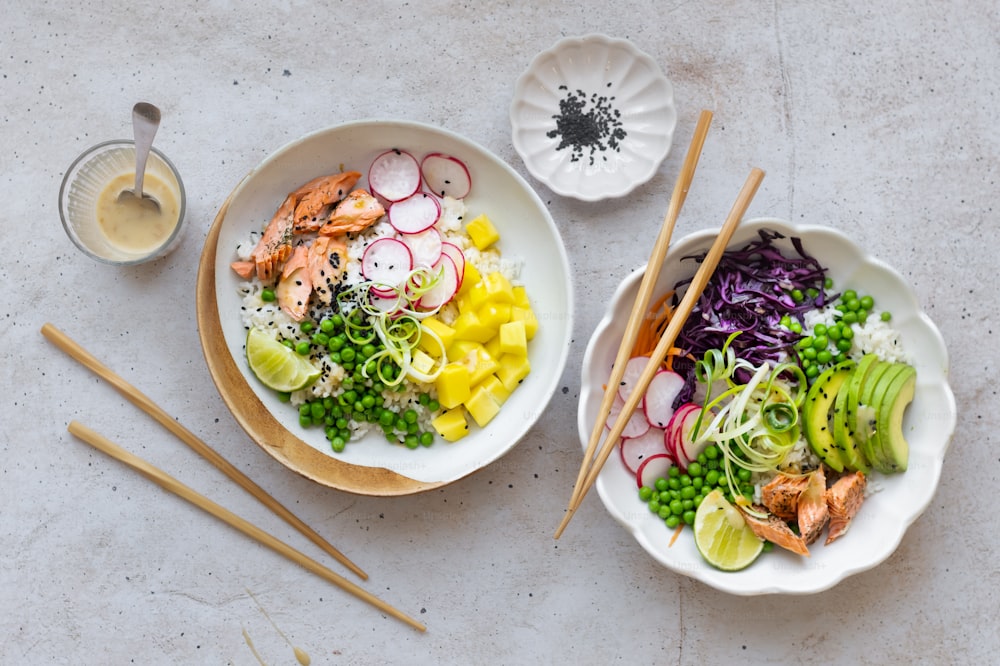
277	366
722	536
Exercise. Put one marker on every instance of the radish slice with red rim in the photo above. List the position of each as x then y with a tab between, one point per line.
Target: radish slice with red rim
691	448
389	302
635	450
653	468
445	288
636	425
415	213
658	403
633	368
446	176
387	262
394	175
456	254
425	247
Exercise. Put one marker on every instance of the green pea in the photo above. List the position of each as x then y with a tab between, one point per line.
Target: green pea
821	342
688	492
305	421
848	295
645	493
695	469
712	477
809	353
689	517
819	329
851	317
867	302
674	483
433	405
672	521
654	505
337	443
426	438
885	316
711	452
795	327
677	507
743	474
664	512
812	371
302	349
844	345
306	326
835	332
797	295
660	484
673	472
824	357
317	411
267	295
284	396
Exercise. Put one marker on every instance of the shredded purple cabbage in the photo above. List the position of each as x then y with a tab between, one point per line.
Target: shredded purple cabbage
750	291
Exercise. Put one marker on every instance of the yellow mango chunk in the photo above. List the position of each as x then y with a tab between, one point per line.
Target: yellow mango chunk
498	288
493	314
479	362
493	346
451	425
453	385
482	232
482	406
513	338
527	316
496	389
443	331
468	326
513	369
470	279
421	362
521	297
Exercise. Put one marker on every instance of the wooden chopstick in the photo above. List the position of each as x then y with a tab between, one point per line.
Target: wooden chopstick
81	355
691	296
642	299
168	482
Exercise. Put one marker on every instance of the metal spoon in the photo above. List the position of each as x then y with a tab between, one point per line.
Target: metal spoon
145	121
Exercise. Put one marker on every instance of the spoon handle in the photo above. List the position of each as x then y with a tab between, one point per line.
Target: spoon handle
145	121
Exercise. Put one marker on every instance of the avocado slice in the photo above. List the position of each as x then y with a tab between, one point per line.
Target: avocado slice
893	453
845	416
868	410
816	413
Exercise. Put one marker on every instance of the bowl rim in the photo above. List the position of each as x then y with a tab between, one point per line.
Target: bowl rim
521	83
156	253
289	449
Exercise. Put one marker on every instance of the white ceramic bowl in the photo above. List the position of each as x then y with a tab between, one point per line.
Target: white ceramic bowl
529	241
885	515
593	117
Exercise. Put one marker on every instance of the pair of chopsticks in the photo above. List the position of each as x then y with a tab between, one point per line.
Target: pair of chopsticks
592	465
161	478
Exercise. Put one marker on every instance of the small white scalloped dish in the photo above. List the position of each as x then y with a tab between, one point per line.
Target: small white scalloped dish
593	117
897	500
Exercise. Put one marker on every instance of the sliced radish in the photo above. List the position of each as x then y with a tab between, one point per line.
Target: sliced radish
633	368
446	287
386	262
653	468
385	302
415	213
636	425
634	450
672	434
425	247
446	176
394	175
456	254
658	403
690	447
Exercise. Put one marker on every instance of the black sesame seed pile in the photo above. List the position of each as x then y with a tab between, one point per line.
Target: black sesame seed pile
587	126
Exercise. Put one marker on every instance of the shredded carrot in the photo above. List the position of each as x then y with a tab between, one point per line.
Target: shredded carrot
677	533
653	326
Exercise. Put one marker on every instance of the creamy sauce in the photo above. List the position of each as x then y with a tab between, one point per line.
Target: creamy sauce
131	226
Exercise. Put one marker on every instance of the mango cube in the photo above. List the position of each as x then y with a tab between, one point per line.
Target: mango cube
453	385
451	425
496	389
521	297
479	362
470	278
421	362
493	346
526	315
482	406
443	331
482	232
513	338
494	314
498	288
513	369
468	326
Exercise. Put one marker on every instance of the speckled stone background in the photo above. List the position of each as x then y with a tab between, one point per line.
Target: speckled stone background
879	119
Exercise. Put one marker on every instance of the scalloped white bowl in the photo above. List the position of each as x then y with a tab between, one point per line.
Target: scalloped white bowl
607	74
885	516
